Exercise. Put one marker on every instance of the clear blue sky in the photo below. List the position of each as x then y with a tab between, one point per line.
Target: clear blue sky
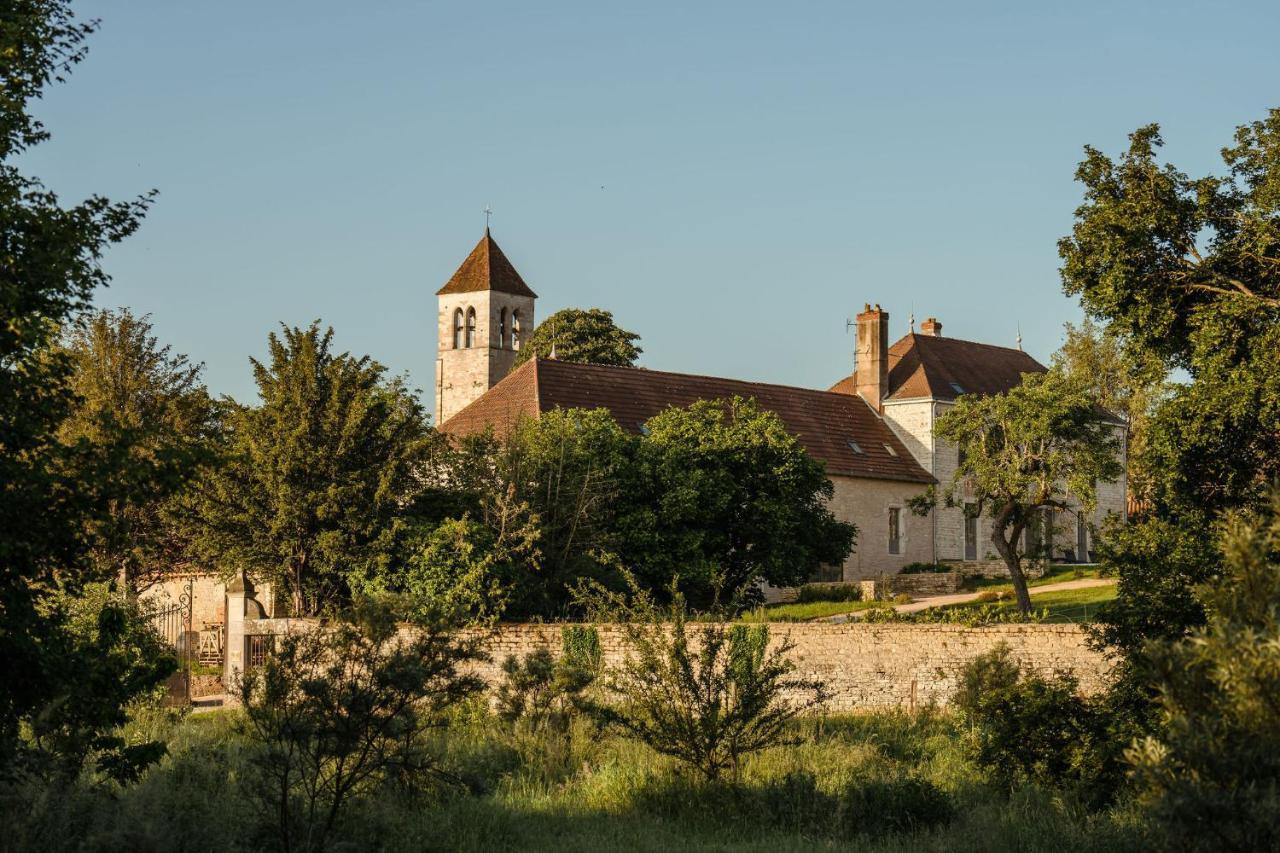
732	180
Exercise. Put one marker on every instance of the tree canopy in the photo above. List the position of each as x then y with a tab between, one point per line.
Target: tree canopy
1210	770
715	496
735	499
56	494
1186	271
584	336
1034	447
1121	382
318	477
132	391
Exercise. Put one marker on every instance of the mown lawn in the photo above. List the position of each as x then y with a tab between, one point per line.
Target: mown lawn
1056	574
803	612
1069	605
875	782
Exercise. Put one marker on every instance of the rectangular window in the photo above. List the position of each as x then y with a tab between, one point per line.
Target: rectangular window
1039	535
1082	539
895	530
827	573
970	532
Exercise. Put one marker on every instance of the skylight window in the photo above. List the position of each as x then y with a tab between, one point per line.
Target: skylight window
957	387
853	445
643	427
889	448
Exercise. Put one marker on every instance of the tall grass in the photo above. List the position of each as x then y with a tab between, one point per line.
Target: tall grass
875	782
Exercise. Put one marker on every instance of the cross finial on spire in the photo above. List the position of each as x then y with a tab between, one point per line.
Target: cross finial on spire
488	212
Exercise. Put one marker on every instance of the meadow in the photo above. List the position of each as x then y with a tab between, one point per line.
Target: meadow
873	782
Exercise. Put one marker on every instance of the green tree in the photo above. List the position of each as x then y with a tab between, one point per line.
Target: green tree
458	571
1211	773
1121	381
1187	272
320	477
55	494
532	514
729	498
1028	449
142	396
584	336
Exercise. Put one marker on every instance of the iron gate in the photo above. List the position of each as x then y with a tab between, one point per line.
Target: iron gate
173	624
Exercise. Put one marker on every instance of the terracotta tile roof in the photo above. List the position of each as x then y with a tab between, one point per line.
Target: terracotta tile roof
825	423
945	368
486	268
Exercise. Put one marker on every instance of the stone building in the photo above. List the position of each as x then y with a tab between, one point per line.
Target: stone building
911	384
484	310
873	430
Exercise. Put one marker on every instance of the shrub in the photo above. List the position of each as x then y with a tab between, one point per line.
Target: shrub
971	615
111	660
829	592
1028	728
925	568
1211	774
542	693
708	702
906	804
340	709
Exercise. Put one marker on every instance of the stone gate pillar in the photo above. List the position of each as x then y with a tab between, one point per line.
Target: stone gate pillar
235	650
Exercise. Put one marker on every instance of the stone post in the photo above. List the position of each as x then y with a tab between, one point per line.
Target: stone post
236	649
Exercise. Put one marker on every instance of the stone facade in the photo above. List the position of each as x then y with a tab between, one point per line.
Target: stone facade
867	503
464	372
913	421
208	596
864	667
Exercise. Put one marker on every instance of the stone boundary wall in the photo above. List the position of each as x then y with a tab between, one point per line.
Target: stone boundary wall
994	568
864	667
916	584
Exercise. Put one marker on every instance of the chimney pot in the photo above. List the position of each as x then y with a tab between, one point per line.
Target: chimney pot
931	326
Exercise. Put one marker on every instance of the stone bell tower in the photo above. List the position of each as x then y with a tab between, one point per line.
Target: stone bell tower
485	315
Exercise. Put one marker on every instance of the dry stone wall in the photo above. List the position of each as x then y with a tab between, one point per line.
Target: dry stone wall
870	666
864	667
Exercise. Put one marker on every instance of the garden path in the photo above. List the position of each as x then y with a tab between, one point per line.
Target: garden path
966	597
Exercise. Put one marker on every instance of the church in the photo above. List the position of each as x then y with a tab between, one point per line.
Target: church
872	429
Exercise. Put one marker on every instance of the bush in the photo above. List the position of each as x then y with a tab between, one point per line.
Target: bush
1028	728
970	615
925	568
542	694
1211	774
708	702
110	660
829	592
907	804
337	711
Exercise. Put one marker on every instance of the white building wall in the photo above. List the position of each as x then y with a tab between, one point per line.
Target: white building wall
866	503
462	373
914	420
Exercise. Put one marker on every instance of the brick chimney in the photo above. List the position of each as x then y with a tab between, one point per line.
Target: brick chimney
873	356
931	326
